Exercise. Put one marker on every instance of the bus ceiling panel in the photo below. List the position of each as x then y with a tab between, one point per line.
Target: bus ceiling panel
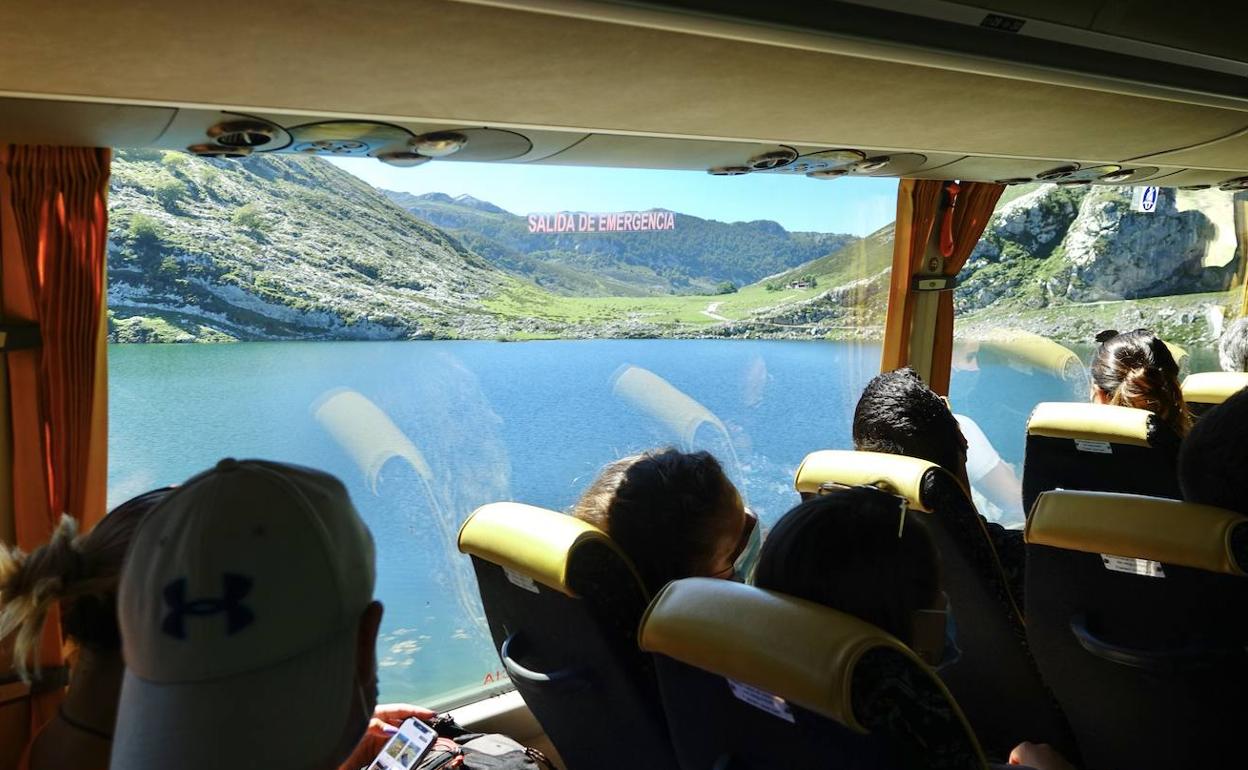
1072	13
80	124
1203	57
524	71
988	169
1229	153
1211	27
1196	178
658	152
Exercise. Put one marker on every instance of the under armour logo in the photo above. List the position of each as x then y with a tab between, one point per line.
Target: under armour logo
237	617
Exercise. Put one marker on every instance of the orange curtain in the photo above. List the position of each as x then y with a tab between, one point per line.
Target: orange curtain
918	203
974	205
53	242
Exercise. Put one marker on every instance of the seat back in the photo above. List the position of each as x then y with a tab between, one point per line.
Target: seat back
1137	612
756	679
995	680
1098	448
1206	390
563	603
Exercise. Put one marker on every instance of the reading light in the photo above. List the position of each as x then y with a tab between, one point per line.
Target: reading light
770	160
827	173
438	144
729	170
403	158
218	151
1014	180
242	133
870	165
1196	187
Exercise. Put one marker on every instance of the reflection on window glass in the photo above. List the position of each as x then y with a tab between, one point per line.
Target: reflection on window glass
1057	266
454	344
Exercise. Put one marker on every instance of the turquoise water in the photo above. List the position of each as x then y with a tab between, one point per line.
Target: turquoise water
424	432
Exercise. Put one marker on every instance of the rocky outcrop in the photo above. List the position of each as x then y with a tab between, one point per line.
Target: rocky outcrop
1059	245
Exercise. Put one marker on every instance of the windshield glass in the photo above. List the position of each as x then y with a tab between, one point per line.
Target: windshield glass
1056	267
459	334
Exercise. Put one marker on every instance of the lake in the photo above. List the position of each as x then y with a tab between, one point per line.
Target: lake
424	432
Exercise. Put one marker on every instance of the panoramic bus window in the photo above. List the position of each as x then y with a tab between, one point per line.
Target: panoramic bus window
459	334
1056	267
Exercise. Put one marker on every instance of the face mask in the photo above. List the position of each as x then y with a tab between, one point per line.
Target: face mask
747	560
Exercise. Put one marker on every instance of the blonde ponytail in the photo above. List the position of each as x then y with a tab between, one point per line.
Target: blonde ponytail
30	584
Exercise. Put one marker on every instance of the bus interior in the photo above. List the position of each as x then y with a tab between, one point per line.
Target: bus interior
994	119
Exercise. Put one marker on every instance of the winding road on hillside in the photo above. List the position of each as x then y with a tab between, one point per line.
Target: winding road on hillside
710	312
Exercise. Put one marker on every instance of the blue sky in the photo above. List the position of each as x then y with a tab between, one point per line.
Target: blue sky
859	205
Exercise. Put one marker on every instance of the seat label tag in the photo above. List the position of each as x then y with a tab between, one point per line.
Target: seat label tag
1097	447
1132	566
763	700
520	581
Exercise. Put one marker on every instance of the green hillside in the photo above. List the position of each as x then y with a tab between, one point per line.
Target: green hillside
278	247
696	257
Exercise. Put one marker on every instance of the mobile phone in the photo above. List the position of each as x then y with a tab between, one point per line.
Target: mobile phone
406	747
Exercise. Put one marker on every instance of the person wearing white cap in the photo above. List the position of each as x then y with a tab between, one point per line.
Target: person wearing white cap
248	625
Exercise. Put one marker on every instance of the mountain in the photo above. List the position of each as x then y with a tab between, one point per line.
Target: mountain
281	247
278	247
696	256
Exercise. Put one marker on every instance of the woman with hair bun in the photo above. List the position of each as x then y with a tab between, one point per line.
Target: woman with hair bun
80	573
1137	369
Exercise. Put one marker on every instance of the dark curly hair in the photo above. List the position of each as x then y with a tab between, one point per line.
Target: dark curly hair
899	414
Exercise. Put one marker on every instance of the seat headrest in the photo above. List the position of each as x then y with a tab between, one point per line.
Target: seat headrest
1093	422
795	649
1213	387
534	542
1134	526
899	474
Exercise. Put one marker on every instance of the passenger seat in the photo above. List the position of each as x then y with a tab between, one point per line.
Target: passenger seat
563	604
995	679
1206	390
1099	448
756	680
1137	612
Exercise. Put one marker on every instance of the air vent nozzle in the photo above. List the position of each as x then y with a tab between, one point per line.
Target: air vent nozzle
775	159
1054	174
218	151
1232	185
438	144
403	158
870	165
243	133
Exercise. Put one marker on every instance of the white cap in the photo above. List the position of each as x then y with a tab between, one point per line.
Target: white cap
239	609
